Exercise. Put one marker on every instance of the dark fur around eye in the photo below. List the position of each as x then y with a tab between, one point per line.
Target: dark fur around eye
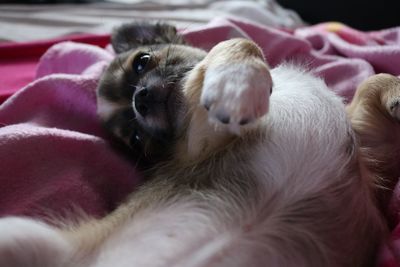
140	62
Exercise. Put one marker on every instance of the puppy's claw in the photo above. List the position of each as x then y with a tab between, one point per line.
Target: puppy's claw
207	105
244	121
223	118
394	109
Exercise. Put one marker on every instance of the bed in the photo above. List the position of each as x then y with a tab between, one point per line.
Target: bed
56	158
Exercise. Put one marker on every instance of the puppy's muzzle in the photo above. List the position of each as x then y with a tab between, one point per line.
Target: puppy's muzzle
151	100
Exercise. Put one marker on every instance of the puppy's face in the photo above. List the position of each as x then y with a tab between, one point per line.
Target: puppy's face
140	96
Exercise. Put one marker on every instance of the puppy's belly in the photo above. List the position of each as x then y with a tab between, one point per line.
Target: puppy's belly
309	136
304	155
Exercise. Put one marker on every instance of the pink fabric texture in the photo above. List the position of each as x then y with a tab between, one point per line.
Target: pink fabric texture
54	159
18	61
54	155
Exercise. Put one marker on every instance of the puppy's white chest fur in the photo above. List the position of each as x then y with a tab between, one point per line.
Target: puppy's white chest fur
308	131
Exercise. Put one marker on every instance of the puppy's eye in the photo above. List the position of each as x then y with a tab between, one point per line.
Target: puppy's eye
140	62
135	139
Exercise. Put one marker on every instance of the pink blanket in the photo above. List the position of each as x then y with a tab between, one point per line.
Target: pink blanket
55	157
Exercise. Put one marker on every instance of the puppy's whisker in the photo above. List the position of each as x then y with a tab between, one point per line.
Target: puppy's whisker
182	30
137	162
151	51
167	56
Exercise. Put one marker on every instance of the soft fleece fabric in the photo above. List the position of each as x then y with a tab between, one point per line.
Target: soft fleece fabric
55	157
18	61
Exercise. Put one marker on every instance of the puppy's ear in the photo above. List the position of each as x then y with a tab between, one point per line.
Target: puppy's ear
132	35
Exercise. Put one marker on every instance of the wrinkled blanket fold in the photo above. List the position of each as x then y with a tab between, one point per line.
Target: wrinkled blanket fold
55	157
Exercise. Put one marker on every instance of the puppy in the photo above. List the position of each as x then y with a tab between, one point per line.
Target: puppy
375	113
238	176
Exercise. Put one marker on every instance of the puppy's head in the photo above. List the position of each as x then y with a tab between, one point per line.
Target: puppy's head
140	98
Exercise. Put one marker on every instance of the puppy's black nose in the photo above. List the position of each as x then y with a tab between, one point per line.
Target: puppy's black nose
142	101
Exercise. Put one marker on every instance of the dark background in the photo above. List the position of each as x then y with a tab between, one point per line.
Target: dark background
47	1
359	14
363	15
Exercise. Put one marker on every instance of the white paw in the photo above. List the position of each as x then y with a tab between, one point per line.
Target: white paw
237	94
28	243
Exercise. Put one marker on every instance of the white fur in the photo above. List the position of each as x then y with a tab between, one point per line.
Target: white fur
306	132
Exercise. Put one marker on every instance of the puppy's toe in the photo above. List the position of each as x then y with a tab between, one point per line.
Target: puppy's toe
237	94
394	108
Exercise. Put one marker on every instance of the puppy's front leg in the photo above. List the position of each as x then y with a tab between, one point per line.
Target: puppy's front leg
237	83
229	91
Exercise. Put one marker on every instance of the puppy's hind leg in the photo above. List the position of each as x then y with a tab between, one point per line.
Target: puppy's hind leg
375	116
